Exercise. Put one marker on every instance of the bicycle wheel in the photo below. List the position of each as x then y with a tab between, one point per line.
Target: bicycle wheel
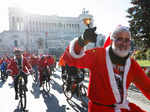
34	77
83	95
46	86
23	99
64	78
83	90
22	94
67	92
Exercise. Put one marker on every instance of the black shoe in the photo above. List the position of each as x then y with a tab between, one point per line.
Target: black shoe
16	97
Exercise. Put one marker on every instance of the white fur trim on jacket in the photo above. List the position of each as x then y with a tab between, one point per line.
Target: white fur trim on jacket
72	52
15	58
9	70
123	106
114	83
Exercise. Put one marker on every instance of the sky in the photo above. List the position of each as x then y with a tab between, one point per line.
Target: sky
107	13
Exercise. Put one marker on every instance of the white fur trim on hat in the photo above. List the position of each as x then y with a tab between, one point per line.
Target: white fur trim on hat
71	49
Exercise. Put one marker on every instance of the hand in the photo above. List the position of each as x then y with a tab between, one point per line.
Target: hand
8	72
32	71
90	35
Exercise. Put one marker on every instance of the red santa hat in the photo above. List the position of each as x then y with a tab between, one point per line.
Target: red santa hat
107	42
118	29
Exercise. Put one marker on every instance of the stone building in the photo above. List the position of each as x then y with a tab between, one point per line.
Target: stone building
41	33
33	32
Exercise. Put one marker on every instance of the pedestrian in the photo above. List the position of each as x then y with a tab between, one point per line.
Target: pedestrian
112	70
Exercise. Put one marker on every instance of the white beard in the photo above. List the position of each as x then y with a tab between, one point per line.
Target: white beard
121	53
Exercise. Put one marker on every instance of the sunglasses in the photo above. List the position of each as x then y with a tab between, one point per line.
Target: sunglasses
120	39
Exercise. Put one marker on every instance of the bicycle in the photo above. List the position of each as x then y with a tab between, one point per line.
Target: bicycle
22	91
4	75
46	79
64	76
76	87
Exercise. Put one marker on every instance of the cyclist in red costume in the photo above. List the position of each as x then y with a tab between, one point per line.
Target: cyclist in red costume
111	71
43	64
18	62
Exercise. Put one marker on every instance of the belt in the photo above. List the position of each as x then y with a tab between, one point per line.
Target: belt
113	105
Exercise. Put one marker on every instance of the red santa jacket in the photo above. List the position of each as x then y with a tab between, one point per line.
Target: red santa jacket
42	63
34	61
50	60
13	66
103	88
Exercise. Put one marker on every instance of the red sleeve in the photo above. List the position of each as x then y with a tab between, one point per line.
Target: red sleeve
27	64
10	67
86	61
77	47
141	80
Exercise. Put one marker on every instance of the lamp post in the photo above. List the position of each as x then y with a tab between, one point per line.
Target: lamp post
46	36
87	22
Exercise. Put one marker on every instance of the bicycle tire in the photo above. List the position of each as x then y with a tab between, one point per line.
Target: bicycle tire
63	79
34	78
46	86
22	95
83	94
23	100
67	93
83	90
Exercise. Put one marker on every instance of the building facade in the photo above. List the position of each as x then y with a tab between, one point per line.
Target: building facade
33	32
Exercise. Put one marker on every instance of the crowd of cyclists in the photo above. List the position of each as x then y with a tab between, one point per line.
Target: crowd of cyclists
28	63
25	64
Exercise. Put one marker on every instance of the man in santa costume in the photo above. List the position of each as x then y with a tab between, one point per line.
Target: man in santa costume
111	71
43	65
17	63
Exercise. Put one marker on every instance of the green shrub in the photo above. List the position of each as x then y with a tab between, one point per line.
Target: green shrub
148	54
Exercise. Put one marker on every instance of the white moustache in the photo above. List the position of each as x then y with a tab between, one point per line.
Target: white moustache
121	53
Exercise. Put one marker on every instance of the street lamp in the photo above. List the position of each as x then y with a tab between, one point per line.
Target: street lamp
46	36
87	22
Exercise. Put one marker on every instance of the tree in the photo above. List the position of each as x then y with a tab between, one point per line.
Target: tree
139	21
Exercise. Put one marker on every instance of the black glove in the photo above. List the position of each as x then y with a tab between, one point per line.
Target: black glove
89	35
8	72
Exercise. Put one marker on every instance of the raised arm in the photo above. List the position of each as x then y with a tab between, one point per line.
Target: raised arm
76	54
